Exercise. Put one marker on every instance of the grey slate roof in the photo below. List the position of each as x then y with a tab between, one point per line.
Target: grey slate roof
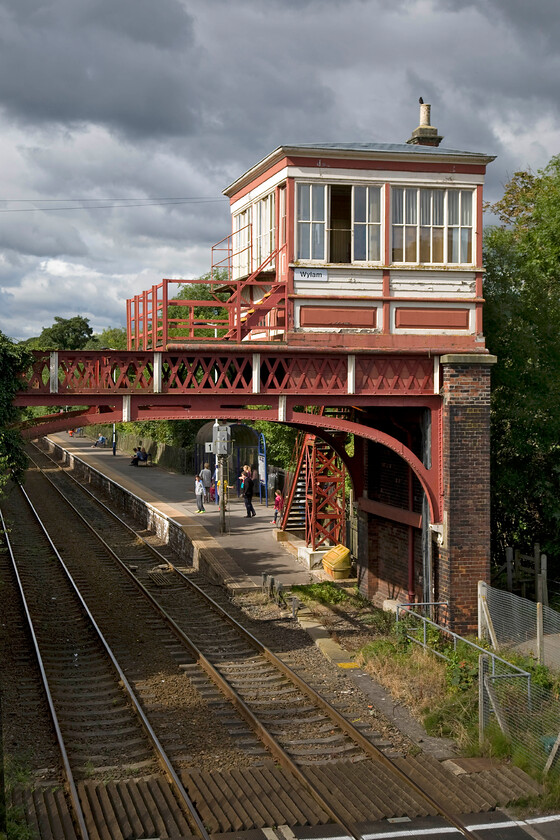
399	150
381	147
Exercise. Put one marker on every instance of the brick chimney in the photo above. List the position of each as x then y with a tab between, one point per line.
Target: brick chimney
425	134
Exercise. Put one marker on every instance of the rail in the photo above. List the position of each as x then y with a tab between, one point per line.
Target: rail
369	749
72	789
162	757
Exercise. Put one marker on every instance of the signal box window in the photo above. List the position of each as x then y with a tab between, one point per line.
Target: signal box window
367	224
311	206
432	225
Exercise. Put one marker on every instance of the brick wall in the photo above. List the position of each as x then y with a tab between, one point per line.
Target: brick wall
464	557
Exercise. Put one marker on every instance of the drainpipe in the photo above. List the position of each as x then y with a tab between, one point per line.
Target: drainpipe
411	569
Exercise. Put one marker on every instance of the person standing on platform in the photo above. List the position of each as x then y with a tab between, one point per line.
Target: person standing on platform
199	493
206	478
248	496
278	507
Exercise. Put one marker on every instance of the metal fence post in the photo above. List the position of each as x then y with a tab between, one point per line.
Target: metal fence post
509	568
481	595
482	713
540	634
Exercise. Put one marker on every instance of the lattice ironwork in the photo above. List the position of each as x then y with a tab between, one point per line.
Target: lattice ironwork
81	371
405	374
325	496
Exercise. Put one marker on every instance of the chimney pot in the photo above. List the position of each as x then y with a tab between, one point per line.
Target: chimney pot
425	134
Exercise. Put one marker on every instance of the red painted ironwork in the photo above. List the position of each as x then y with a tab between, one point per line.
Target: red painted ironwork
223	370
325	496
318	466
257	303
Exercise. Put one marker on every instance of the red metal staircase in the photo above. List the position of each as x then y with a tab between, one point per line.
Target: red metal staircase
316	499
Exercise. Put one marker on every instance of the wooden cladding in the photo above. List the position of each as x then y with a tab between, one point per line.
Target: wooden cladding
423	318
352	317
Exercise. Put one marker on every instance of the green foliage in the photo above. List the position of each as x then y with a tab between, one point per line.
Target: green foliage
205	288
14	359
280	441
324	593
112	338
16	774
174	432
65	334
522	313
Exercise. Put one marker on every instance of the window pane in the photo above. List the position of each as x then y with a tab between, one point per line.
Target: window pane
453	245
318	243
397	244
425	203
318	199
360	241
410	217
360	204
303	241
437	245
374	243
453	207
397	201
425	244
438	197
410	244
303	201
466	245
466	207
374	210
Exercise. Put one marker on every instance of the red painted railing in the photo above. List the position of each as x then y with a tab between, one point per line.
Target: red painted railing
257	303
216	370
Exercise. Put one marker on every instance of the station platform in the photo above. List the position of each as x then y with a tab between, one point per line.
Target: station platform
248	548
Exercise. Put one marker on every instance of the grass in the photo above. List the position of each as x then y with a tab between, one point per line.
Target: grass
16	773
441	694
323	593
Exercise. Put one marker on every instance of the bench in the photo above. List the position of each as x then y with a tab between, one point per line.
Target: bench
146	462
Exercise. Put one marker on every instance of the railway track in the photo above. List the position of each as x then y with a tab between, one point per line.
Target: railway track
99	723
323	767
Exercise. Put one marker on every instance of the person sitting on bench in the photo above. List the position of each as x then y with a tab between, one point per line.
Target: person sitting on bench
134	461
142	456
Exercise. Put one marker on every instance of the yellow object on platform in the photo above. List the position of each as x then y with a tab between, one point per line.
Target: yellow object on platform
336	562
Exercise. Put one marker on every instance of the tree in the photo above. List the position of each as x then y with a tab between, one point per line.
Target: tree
112	338
203	289
64	334
280	441
14	359
522	318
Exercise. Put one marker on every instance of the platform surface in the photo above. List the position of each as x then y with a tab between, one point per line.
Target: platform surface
249	542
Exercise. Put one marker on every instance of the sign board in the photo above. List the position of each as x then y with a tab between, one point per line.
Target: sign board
315	275
221	442
262	469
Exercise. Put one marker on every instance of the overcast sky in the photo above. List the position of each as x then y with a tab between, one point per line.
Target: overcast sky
174	99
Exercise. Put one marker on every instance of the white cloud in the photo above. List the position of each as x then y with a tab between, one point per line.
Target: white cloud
128	100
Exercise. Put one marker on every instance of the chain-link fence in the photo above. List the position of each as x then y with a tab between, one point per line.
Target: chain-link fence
523	706
529	719
516	623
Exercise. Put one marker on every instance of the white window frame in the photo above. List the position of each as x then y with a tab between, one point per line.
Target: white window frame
264	230
464	195
368	223
241	243
311	221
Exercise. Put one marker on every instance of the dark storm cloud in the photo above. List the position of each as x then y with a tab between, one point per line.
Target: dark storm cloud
29	233
124	64
148	98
